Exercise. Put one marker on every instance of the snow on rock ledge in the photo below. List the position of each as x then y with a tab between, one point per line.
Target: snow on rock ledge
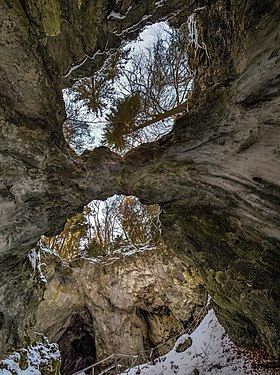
38	359
211	352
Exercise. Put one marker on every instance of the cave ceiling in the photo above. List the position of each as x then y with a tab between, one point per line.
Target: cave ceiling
216	175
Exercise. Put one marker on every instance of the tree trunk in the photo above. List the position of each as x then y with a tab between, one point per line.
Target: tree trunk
179	109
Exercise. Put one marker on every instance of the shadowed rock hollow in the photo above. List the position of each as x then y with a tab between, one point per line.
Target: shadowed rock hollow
216	175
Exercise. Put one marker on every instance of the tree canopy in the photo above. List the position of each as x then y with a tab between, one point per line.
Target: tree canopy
139	91
104	227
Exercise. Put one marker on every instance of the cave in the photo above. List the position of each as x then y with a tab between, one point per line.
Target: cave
215	175
77	344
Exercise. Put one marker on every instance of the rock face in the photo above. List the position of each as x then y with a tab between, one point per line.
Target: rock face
41	180
216	175
120	304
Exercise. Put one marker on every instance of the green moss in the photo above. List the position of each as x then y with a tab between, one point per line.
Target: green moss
234	263
52	368
27	339
23	359
220	277
46	15
92	21
165	166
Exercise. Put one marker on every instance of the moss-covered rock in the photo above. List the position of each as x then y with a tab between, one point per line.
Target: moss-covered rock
45	15
236	268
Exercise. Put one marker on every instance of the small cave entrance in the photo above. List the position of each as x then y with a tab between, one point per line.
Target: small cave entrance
77	344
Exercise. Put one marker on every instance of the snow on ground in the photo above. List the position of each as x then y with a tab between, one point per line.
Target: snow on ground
211	352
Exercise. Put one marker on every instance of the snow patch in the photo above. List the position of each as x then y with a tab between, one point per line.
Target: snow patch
211	352
74	67
117	16
30	360
193	33
122	252
35	260
47	250
134	27
160	3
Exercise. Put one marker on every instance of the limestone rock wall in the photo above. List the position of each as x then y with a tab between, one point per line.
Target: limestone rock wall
216	175
42	182
123	304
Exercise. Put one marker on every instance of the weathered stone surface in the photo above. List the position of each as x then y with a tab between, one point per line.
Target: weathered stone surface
121	304
20	293
183	344
41	181
216	175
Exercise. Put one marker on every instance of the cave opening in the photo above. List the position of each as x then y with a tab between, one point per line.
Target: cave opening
77	344
121	224
136	94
